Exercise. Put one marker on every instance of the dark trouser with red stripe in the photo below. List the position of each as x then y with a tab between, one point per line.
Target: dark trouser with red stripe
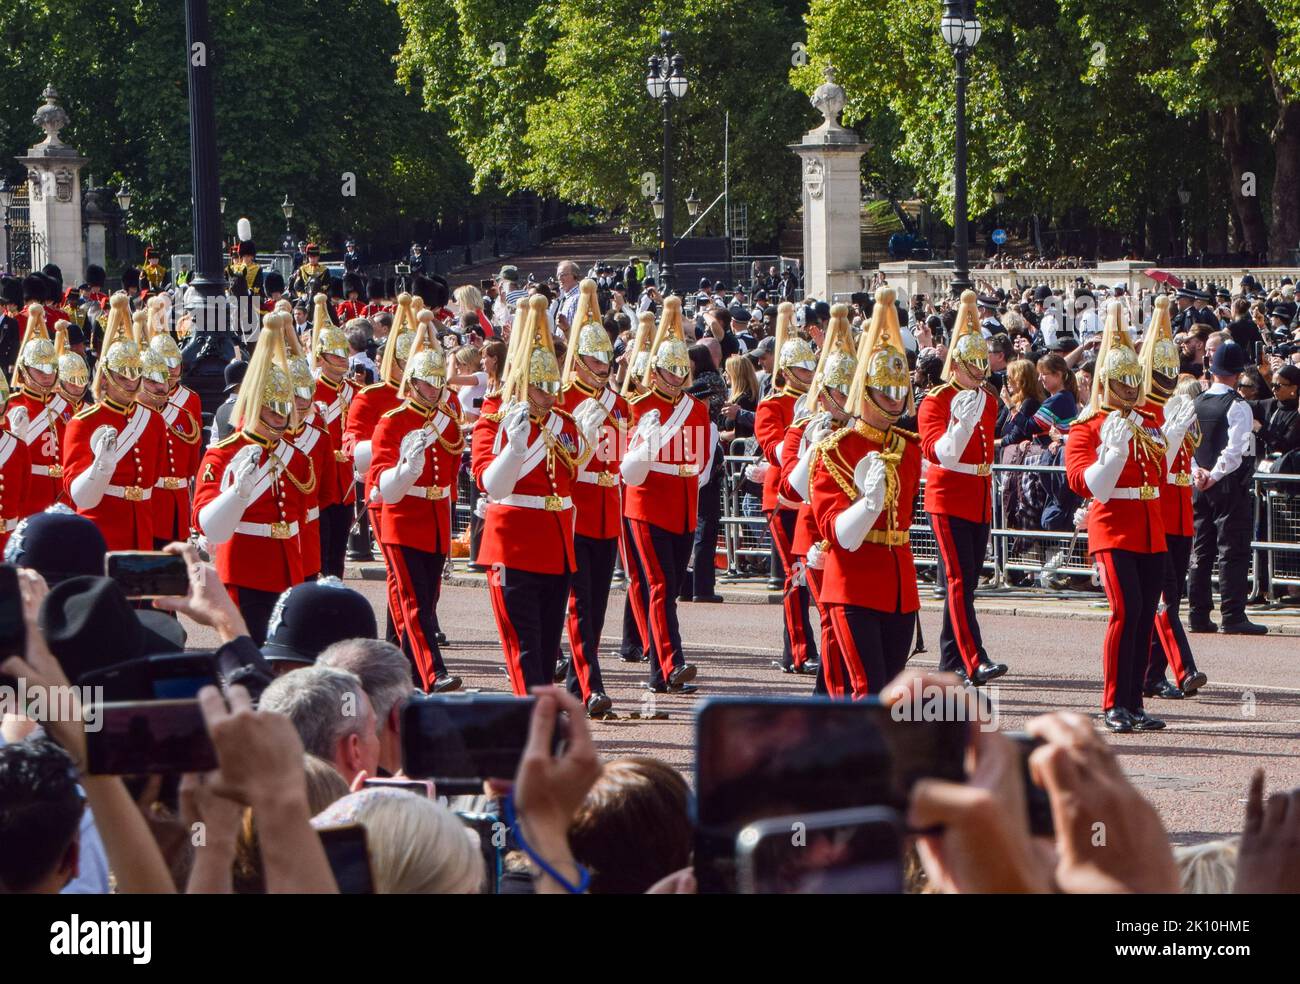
797	645
636	627
418	577
875	645
962	546
529	610
588	599
661	558
335	521
1169	645
393	621
831	671
256	607
1132	582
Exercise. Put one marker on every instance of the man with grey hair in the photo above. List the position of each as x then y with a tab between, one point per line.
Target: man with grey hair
385	675
565	305
332	715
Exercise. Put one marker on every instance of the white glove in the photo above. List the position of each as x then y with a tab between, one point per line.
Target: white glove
1180	413
395	482
515	424
500	476
648	430
240	472
819	428
102	444
967	407
88	488
219	517
590	415
964	414
869	477
1116	434
414	445
757	472
1081	517
635	466
18	421
816	558
361	454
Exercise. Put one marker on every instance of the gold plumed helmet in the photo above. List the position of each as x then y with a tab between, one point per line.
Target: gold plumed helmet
269	380
1117	360
638	356
968	345
792	352
669	350
157	337
119	351
1159	355
427	362
300	374
882	360
397	347
326	338
154	366
72	367
533	361
837	362
587	336
36	351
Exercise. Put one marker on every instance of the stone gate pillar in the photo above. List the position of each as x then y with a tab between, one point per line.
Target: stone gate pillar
54	194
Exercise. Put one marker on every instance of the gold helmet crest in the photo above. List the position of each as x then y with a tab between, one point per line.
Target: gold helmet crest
669	350
837	362
1117	360
587	336
153	366
882	360
326	338
968	345
1159	355
36	351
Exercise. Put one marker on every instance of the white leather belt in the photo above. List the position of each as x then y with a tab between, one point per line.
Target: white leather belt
1141	492
551	503
605	480
276	531
131	493
313	514
967	468
785	503
681	471
428	491
173	483
53	471
1183	479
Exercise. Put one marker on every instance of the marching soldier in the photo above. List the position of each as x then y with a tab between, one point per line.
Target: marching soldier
311	278
1116	457
313	440
826	411
112	448
34	412
245	282
154	273
74	376
333	395
354	291
525	458
863	482
376	294
250	499
1174	415
182	401
181	445
415	456
670	453
587	364
795	363
636	626
15	473
957	423
96	278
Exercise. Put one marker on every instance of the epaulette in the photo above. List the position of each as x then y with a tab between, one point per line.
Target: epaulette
493	417
1087	414
228	439
396	410
633	400
802	421
1147	415
830	442
367	389
85	411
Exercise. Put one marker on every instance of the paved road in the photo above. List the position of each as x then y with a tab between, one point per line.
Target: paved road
1195	771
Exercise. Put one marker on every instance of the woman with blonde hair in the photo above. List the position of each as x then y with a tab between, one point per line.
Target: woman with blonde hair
470	301
744	393
417	846
1022	395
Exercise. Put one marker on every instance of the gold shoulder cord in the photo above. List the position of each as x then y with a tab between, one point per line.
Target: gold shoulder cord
843	476
891	458
308	487
192	438
1152	447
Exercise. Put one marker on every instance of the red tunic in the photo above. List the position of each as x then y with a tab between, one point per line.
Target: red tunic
333	403
1119	524
1176	493
363	417
595	494
124	515
351	309
805	524
43	436
178	464
268	558
314	442
876	575
957	493
520	536
421	519
771	420
15	474
669	496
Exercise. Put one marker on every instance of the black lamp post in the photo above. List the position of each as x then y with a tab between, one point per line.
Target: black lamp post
287	207
665	82
961	32
6	200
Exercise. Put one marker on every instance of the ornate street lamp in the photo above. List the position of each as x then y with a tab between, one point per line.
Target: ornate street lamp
666	81
961	31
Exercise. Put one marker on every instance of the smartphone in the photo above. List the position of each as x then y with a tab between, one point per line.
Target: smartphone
758	758
148	573
459	740
841	852
147	737
1037	803
349	858
13	626
173	676
420	787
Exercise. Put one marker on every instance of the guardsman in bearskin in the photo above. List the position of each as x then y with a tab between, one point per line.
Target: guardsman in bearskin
824	411
112	449
333	398
155	275
957	423
588	362
273	283
355	305
15	473
74	376
55	311
1176	417
525	458
435	293
670	453
96	279
34	412
178	461
375	298
311	438
794	366
863	482
415	456
251	497
131	286
1116	457
312	277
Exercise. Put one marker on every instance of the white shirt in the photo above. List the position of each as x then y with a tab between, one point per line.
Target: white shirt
1089	324
471	397
566	304
1048	325
1241	434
